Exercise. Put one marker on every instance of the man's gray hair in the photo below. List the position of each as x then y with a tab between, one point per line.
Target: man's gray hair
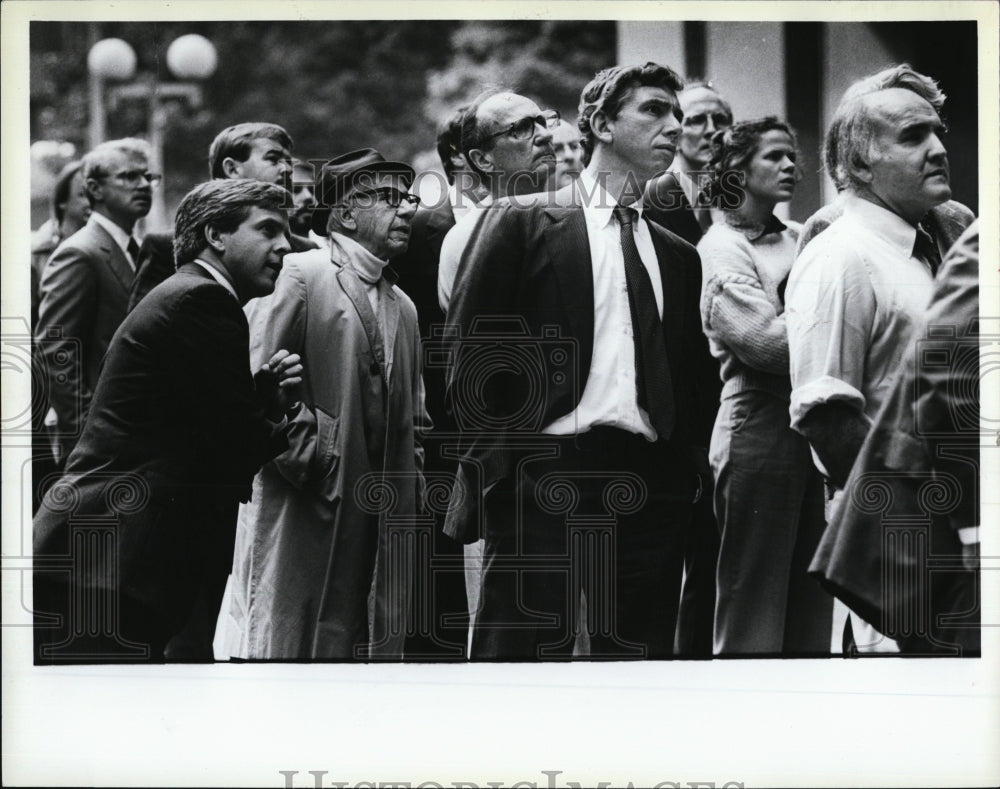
851	134
98	162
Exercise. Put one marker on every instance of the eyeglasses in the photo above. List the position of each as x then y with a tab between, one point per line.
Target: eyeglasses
720	120
136	177
392	197
524	129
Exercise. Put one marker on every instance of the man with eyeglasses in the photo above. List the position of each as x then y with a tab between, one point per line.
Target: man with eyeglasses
85	284
260	151
507	141
321	566
675	199
576	375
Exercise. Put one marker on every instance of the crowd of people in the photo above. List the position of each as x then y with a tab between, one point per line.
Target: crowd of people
595	402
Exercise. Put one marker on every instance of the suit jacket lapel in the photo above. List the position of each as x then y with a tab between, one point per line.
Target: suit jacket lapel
672	278
566	241
116	259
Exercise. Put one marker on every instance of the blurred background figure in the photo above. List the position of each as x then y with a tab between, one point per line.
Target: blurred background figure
70	210
569	154
303	197
675	200
85	284
768	495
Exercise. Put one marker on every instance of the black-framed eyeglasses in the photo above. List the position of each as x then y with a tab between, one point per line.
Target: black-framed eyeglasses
697	122
393	198
524	129
136	177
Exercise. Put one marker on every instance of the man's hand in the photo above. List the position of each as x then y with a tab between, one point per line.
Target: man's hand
279	384
836	431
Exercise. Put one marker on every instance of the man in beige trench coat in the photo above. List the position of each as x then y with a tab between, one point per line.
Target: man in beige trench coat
323	566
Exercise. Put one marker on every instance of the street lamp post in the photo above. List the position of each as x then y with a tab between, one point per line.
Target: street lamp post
190	58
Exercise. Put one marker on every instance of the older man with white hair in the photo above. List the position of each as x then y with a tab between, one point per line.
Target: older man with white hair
858	289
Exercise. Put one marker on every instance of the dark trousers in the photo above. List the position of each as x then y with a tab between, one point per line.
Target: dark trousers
74	625
604	512
696	617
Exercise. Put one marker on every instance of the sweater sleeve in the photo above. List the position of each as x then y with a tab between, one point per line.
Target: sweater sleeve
736	311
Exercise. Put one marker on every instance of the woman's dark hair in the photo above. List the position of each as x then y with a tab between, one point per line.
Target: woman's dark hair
733	148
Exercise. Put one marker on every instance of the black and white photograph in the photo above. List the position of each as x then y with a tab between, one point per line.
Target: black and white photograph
500	395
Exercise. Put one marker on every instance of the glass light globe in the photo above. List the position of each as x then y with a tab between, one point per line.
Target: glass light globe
112	58
192	57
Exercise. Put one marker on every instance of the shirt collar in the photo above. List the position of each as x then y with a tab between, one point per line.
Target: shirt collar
598	205
753	230
217	276
115	231
892	227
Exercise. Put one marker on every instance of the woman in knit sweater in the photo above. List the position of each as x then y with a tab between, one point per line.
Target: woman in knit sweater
768	494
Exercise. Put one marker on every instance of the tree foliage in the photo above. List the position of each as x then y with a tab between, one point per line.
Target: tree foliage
335	86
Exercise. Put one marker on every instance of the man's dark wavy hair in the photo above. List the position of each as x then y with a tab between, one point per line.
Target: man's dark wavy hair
609	89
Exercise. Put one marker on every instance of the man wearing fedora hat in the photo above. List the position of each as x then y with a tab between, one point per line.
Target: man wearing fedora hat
320	569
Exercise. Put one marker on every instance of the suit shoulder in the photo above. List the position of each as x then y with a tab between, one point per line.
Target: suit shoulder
677	244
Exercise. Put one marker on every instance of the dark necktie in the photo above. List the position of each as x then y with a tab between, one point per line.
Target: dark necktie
133	250
925	249
652	373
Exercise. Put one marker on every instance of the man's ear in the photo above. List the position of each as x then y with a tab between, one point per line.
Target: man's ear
602	127
859	169
345	218
231	167
95	191
214	239
482	160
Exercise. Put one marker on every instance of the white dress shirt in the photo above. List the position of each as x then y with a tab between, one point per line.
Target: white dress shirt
120	237
453	245
854	298
609	395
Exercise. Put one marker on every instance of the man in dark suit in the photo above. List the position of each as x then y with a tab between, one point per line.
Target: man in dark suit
86	282
578	393
142	521
261	151
417	271
676	201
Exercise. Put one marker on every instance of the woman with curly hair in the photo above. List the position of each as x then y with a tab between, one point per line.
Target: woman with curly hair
768	494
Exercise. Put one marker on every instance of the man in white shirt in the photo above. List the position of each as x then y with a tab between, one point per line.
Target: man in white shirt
858	289
576	372
85	284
